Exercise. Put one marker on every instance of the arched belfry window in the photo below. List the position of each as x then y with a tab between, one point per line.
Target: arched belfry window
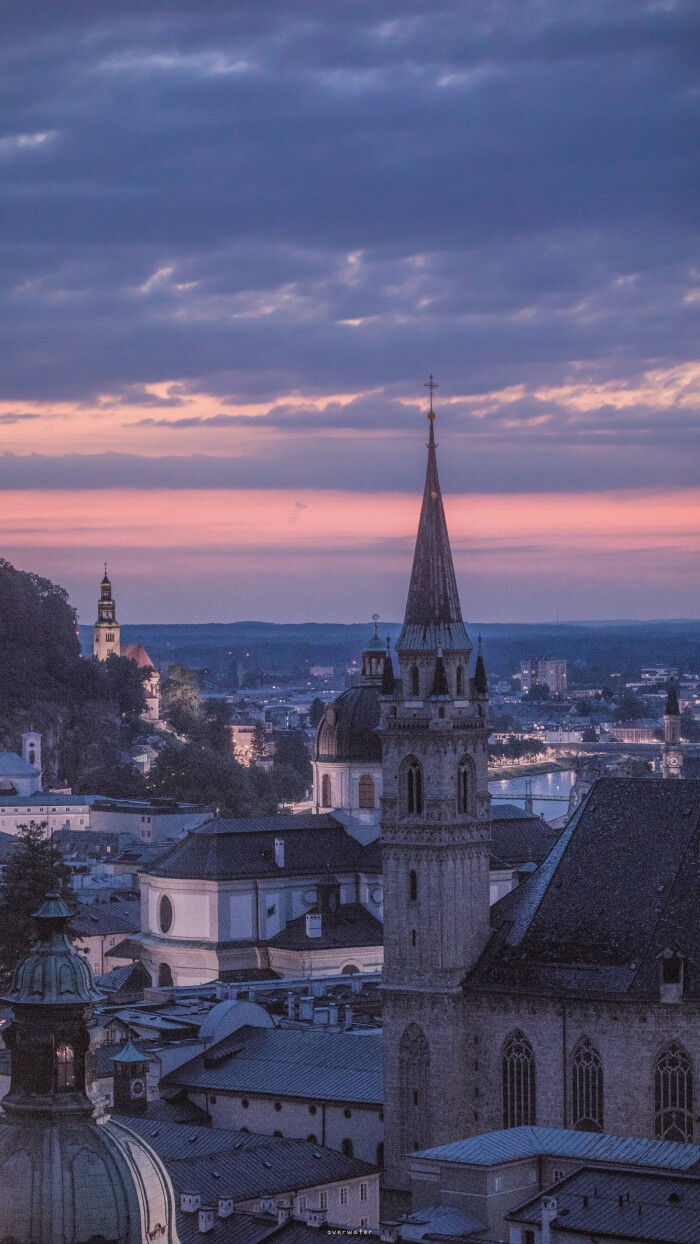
413	885
460	680
415	680
673	1094
518	1069
165	976
414	1083
326	791
466	786
65	1066
413	787
587	1087
366	791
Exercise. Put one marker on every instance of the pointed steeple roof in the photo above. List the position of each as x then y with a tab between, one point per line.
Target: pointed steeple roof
433	613
672	708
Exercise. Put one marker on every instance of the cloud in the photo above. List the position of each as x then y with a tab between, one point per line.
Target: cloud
10	417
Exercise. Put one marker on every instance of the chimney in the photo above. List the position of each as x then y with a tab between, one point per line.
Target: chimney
190	1202
206	1219
290	1005
314	922
549	1209
284	1213
279	852
225	1206
348	1015
333	1014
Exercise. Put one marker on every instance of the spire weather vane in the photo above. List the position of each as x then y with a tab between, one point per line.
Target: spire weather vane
432	385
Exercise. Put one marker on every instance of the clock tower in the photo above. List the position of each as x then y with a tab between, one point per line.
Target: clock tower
106	633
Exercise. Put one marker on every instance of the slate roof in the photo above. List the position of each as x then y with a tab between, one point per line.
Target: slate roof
93	919
241	1165
223	850
42	798
117	978
518	837
286	1062
618	887
433	616
511	1144
351	925
347	730
12	765
440	1222
641	1208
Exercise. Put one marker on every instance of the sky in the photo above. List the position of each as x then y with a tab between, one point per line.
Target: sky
235	239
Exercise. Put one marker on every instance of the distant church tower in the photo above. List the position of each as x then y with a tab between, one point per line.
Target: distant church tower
672	755
435	846
106	634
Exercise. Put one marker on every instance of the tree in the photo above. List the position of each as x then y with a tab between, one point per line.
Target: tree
117	781
291	750
181	700
690	728
123	682
287	784
630	707
316	711
193	773
214	730
34	869
258	741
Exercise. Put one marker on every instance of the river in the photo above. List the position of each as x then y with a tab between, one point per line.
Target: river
512	790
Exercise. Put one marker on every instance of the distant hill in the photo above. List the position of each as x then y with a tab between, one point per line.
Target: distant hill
594	649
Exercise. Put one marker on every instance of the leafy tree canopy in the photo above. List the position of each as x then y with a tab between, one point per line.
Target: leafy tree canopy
34	868
194	773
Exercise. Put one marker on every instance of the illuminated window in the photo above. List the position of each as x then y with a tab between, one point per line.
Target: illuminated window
65	1066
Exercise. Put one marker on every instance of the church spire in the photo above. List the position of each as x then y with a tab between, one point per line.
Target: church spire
433	614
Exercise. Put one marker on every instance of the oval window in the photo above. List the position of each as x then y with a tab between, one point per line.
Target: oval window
165	914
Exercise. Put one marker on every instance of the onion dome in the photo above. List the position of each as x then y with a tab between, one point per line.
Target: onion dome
54	972
672	708
68	1173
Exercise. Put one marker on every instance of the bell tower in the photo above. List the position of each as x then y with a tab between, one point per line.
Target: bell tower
672	755
435	844
106	633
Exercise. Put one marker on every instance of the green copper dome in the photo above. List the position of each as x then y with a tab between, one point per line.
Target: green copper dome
54	972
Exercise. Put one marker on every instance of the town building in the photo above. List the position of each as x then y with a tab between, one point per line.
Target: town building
524	1014
107	642
544	671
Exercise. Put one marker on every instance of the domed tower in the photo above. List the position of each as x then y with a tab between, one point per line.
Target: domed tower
435	846
67	1171
348	753
672	754
106	637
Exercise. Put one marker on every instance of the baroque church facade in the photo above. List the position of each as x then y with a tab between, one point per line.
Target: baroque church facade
575	1000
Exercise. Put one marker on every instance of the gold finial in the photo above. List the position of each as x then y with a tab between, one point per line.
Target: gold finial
432	385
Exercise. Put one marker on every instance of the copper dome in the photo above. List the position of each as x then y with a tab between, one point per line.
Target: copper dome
347	730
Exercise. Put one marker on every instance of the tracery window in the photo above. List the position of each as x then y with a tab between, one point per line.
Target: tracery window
326	791
65	1066
366	791
673	1094
587	1087
466	779
413	885
460	680
414	1076
413	778
518	1069
415	680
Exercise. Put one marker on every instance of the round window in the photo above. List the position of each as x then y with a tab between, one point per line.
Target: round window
165	914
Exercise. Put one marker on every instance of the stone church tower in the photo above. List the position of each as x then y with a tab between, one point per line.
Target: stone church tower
672	755
106	633
435	845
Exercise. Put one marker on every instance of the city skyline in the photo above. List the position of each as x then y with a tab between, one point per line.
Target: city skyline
237	243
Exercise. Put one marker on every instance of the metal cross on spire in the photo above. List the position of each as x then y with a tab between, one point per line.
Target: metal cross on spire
432	385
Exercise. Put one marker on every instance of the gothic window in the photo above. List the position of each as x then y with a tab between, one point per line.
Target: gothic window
413	781
65	1066
518	1081
460	680
587	1088
325	791
415	681
414	1079
165	976
366	792
466	782
413	885
673	1094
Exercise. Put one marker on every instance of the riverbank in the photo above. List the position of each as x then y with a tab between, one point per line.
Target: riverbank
504	772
